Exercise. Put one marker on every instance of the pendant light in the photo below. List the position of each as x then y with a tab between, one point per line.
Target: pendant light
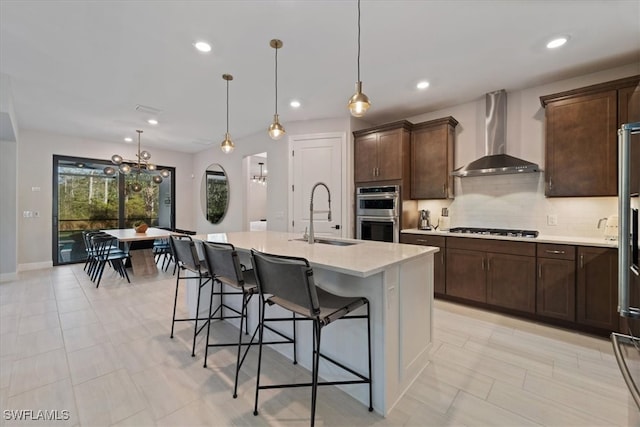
227	145
275	129
359	102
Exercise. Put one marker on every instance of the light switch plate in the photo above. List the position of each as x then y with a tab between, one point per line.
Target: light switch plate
552	219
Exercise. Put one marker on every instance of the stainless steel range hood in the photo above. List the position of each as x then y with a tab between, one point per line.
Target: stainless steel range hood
496	162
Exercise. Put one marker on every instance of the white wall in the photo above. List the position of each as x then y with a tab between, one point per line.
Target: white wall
35	169
8	210
277	188
517	201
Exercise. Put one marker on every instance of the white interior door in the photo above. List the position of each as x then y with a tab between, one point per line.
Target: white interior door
316	158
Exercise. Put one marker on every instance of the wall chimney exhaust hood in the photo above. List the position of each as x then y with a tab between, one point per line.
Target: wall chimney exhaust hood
496	162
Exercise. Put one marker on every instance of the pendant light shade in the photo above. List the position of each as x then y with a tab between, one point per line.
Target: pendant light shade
276	130
227	145
359	103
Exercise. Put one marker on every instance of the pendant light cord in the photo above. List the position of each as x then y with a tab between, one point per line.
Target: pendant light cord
276	49
358	40
227	106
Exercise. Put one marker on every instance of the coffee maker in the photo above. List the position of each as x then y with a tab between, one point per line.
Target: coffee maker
424	220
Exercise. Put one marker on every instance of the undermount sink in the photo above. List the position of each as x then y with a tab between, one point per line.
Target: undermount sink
330	242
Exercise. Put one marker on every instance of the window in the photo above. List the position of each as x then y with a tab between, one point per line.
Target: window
85	198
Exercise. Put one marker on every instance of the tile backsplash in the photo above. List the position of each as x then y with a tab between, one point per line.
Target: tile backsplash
517	201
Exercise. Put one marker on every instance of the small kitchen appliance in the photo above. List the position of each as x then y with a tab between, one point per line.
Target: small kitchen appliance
444	222
610	227
424	221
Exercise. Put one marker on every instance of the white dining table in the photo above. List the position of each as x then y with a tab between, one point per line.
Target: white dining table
142	260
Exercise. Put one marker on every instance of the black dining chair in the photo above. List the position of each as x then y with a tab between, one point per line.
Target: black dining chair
288	282
105	251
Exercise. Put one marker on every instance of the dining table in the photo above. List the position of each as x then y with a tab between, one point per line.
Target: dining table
142	260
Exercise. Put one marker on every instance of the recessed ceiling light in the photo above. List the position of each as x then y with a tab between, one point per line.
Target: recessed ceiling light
557	42
295	104
127	139
423	84
202	46
152	122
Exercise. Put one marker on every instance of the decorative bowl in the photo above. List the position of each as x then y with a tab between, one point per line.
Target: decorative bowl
142	228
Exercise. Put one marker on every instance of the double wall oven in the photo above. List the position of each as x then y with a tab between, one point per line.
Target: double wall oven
377	213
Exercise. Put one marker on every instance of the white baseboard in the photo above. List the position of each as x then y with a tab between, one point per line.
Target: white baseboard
35	266
7	277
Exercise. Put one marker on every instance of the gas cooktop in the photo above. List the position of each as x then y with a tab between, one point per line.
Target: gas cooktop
495	231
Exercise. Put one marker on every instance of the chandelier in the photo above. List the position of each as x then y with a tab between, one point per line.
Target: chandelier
136	166
262	178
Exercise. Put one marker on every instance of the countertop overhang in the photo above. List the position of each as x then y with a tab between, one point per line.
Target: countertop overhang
363	259
542	238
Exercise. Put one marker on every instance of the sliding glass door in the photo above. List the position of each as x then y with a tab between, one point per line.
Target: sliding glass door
85	198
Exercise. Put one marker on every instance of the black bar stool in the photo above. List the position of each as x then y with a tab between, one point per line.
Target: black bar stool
289	281
187	259
224	264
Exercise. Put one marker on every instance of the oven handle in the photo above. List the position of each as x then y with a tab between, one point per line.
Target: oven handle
377	196
616	339
393	219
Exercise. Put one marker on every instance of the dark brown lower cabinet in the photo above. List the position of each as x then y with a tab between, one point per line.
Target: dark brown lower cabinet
500	273
556	287
597	288
465	274
574	286
511	281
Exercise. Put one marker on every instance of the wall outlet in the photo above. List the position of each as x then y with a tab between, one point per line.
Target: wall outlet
552	219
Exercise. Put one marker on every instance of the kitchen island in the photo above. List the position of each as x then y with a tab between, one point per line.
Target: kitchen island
397	279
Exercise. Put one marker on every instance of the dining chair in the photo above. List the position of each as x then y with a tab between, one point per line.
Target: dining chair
105	251
288	282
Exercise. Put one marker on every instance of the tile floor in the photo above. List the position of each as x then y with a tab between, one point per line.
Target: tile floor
105	356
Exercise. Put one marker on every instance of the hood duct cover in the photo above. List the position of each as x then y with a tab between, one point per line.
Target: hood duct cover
496	162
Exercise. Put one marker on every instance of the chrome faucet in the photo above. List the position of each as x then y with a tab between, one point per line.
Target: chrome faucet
310	237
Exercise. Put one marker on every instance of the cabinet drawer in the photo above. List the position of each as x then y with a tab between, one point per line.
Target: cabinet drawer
489	245
548	250
422	239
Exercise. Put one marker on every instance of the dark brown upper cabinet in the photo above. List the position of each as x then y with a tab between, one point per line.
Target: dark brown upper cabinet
382	153
432	148
629	112
581	141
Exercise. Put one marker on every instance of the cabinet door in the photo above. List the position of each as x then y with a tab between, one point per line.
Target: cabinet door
629	112
597	288
511	281
365	155
389	155
429	165
556	289
581	146
466	274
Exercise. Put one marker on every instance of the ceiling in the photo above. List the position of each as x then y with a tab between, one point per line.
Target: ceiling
80	68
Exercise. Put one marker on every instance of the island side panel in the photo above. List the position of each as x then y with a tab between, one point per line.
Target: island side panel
414	328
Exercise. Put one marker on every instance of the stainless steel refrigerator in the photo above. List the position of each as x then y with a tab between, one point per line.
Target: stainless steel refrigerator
626	345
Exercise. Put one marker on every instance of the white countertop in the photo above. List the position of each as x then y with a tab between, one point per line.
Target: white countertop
542	238
362	259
